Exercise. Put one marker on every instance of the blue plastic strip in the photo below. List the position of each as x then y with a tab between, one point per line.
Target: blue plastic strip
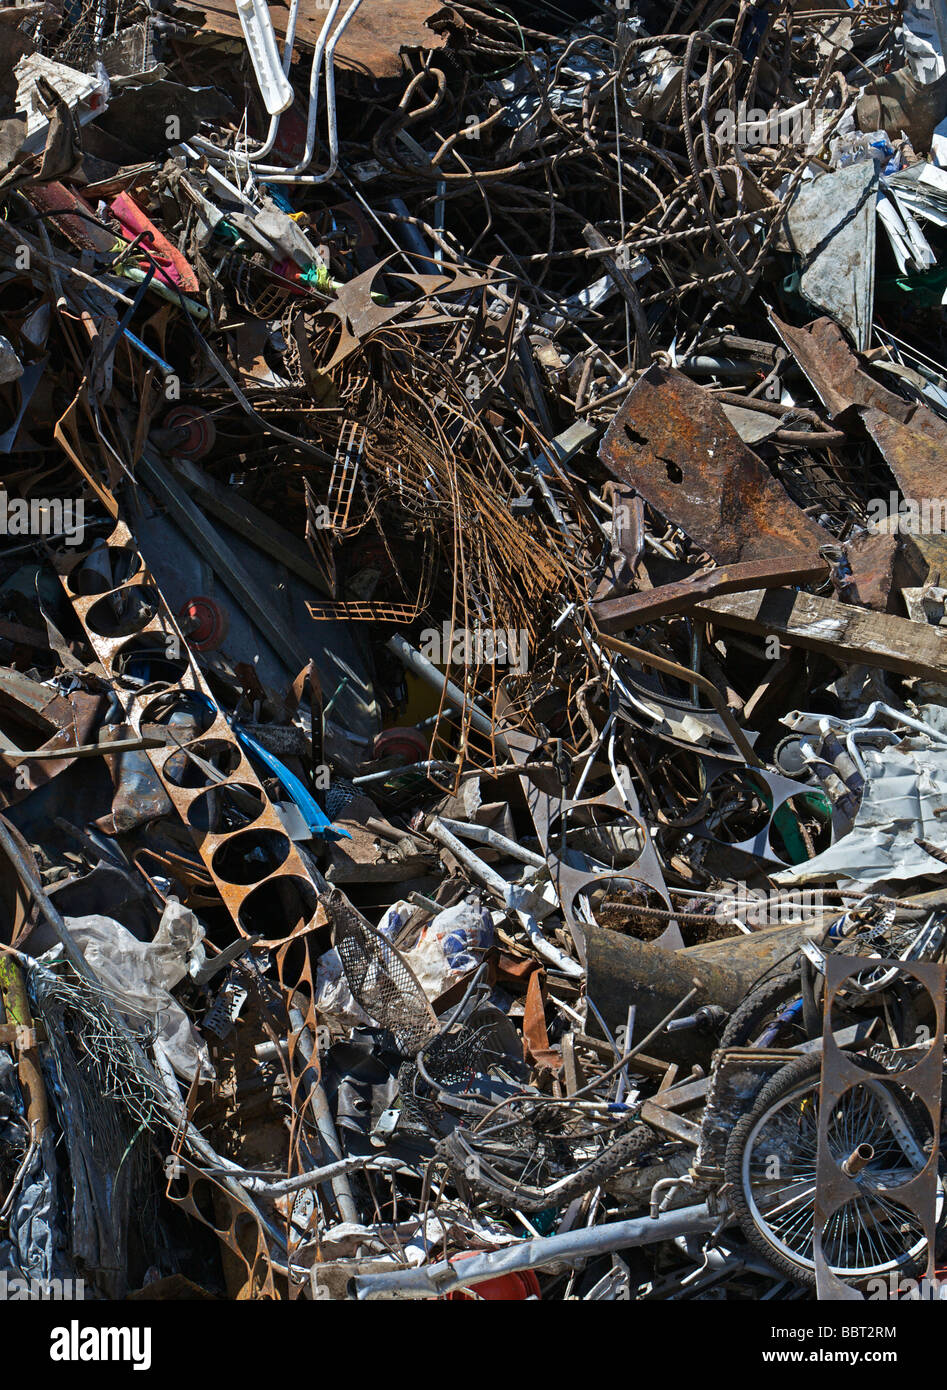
313	814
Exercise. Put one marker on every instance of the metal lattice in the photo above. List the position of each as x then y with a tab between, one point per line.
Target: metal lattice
380	978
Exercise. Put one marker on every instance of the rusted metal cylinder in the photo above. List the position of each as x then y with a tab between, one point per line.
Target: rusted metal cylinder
858	1159
623	971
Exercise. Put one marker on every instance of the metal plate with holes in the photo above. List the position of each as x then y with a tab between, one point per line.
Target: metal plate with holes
780	789
836	1184
256	869
550	812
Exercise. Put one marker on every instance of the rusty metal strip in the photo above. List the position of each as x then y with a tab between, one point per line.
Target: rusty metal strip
835	374
619	614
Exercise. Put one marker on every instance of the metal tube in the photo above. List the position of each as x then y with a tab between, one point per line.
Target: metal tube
313	112
274	174
270	140
486	835
339	1183
432	1281
453	695
858	1159
506	892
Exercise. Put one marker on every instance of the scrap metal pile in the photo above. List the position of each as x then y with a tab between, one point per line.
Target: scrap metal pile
473	667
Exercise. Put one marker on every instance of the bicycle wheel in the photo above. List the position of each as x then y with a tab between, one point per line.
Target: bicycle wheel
771	1164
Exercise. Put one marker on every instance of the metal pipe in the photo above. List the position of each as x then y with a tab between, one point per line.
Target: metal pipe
273	173
858	736
507	893
858	1159
211	150
811	723
411	658
254	1182
270	140
339	1183
486	835
433	1281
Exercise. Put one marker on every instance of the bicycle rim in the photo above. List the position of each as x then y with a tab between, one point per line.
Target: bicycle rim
778	1169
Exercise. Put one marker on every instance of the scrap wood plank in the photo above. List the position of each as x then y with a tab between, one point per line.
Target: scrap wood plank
838	629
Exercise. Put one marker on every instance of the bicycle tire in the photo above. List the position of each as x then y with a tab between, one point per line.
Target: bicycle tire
746	1022
806	1068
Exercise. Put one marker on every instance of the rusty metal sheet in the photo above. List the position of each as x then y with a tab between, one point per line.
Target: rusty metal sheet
914	455
618	614
68	720
881	567
836	375
824	356
372	42
675	446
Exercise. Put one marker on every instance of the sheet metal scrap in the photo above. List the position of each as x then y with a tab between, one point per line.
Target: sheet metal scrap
832	227
677	448
59	722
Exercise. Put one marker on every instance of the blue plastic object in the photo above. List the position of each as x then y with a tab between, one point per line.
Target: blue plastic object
312	813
